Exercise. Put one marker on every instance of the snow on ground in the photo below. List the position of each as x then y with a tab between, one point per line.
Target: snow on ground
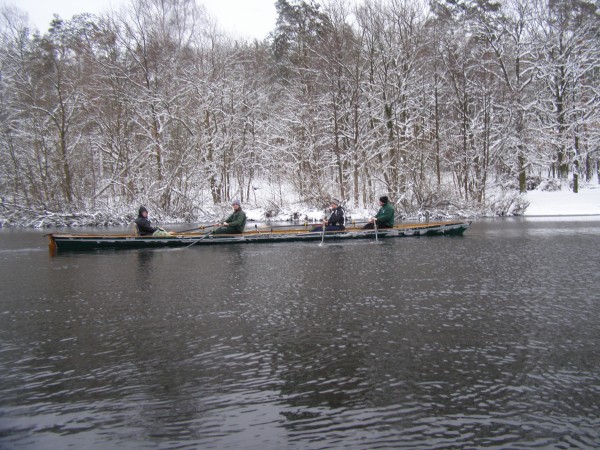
541	203
304	214
564	202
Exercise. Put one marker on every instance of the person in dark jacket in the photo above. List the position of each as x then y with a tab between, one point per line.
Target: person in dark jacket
384	217
235	223
144	225
336	219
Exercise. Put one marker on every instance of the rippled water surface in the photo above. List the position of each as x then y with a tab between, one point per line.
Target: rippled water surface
490	340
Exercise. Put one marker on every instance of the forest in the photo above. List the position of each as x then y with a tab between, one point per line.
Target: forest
443	105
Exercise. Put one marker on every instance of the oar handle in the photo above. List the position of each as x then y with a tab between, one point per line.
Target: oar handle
272	227
201	227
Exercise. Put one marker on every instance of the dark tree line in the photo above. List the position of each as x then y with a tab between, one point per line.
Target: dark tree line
446	101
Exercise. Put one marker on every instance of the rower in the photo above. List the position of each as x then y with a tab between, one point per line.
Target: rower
145	227
235	223
336	219
384	217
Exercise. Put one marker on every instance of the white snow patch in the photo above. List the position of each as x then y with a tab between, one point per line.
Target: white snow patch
564	202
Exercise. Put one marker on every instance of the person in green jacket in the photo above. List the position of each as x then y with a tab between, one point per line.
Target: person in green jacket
384	217
235	223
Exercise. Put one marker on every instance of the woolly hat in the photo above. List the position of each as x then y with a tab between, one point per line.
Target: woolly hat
335	201
236	202
383	199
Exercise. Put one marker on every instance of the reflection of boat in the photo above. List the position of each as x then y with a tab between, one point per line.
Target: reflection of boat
67	241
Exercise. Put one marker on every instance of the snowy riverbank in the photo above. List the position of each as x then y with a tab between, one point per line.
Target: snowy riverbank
564	202
559	202
540	203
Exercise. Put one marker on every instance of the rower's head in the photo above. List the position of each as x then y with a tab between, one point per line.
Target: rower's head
334	202
383	200
236	204
143	212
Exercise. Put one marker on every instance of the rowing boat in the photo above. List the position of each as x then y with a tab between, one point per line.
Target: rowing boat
68	241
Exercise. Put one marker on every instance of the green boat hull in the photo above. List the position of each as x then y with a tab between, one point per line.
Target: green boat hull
75	242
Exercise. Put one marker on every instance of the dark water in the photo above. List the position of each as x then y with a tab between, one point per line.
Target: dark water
491	340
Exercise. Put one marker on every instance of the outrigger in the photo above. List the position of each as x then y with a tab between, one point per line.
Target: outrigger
77	242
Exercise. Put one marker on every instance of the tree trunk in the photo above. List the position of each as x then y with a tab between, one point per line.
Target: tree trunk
522	173
67	184
437	136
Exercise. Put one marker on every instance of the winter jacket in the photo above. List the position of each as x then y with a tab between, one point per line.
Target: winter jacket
337	217
143	223
385	216
236	221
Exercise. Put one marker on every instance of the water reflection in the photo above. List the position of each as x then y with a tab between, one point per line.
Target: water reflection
144	269
485	340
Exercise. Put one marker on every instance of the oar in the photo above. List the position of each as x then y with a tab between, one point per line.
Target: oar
198	240
375	226
201	227
322	235
359	222
203	237
305	225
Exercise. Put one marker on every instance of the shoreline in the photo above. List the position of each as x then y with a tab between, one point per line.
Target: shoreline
540	204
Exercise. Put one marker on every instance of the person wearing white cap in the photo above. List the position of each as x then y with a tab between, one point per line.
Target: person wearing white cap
336	219
235	223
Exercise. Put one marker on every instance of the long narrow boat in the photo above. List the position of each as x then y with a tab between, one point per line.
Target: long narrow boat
68	241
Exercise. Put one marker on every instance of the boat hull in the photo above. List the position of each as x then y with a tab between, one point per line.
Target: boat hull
65	241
